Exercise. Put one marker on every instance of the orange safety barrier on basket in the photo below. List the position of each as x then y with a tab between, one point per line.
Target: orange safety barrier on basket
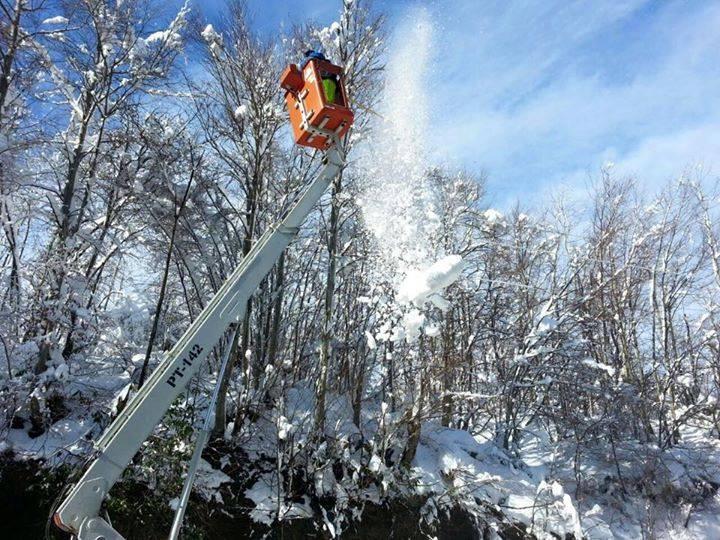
317	103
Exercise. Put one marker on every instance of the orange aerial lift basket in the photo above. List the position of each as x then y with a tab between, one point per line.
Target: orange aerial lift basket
317	102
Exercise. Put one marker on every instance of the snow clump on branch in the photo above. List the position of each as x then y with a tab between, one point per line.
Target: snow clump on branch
422	285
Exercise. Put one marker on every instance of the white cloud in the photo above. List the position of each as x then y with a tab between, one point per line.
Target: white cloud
544	92
663	157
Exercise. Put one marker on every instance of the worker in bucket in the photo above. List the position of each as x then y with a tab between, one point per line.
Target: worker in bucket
329	81
311	54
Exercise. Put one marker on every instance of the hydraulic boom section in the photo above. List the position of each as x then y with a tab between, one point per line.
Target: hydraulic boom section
79	511
114	450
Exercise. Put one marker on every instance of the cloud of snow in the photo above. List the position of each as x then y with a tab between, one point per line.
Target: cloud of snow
397	202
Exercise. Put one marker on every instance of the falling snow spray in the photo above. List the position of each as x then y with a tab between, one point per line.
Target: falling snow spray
398	204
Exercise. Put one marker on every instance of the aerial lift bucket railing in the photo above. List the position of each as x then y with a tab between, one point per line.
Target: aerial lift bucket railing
319	118
317	115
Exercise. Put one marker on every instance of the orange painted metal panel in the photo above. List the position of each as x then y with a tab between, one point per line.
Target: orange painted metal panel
305	92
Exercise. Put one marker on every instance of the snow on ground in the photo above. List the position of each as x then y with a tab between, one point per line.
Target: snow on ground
455	468
539	489
536	491
209	480
704	523
64	437
269	504
96	388
453	461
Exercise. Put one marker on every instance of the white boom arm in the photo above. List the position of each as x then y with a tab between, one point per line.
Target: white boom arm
79	512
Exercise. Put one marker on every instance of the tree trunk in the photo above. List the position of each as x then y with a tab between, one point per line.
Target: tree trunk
158	306
12	295
163	285
9	57
277	311
220	408
327	334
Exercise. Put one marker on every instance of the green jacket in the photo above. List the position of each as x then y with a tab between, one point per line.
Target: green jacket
330	87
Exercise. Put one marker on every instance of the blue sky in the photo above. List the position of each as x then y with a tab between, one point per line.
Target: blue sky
541	93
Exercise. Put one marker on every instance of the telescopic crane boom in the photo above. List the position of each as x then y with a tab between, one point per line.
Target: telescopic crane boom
79	512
